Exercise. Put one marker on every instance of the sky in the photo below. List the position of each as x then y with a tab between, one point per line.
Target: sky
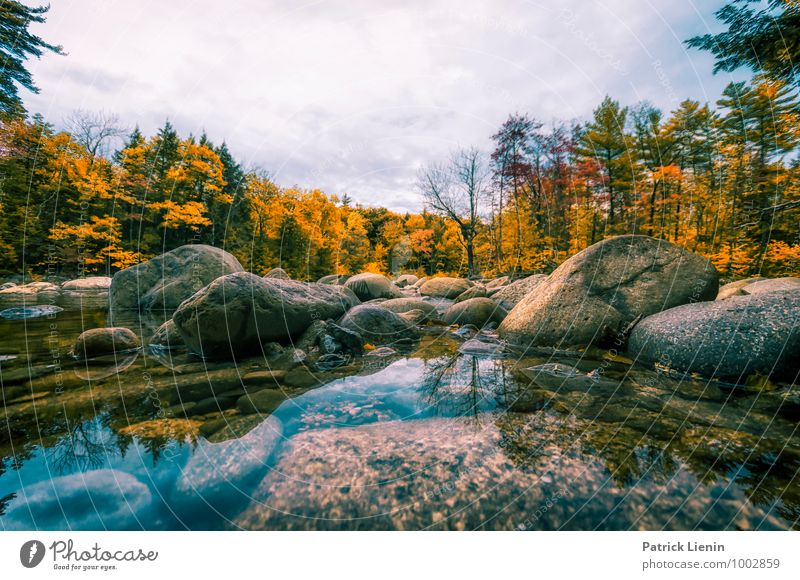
354	96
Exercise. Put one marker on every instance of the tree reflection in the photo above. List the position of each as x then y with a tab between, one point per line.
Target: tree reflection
87	445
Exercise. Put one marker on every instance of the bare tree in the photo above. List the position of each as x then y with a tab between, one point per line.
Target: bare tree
94	130
454	190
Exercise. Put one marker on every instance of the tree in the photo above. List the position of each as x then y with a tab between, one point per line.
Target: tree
16	45
604	140
512	169
765	40
454	191
94	131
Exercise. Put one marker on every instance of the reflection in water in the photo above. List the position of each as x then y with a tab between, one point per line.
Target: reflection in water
444	437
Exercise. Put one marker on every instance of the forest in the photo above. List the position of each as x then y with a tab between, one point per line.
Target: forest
719	180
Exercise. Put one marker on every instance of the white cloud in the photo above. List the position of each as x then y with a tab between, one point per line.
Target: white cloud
352	96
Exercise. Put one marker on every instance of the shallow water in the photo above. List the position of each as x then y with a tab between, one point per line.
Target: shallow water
431	439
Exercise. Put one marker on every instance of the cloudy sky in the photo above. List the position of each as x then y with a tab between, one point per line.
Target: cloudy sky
354	95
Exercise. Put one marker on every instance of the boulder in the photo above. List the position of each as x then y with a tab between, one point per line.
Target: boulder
33	292
278	273
497	282
444	287
167	335
368	286
167	280
103	341
476	291
475	311
419	282
510	295
90	284
406	280
729	339
596	294
237	313
400	305
334	279
377	325
772	285
735	288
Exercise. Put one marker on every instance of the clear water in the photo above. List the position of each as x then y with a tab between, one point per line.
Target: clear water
432	439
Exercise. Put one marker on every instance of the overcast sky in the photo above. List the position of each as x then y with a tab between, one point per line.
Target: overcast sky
354	95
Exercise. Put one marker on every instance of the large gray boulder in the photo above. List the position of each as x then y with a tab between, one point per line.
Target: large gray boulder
377	325
239	312
401	305
369	286
477	291
593	296
278	273
510	295
444	287
729	339
167	280
475	311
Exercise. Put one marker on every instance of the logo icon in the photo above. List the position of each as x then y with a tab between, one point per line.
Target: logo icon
31	553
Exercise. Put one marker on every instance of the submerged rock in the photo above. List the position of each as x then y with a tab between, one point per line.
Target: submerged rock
26	312
593	296
477	347
221	473
105	341
237	313
728	339
167	280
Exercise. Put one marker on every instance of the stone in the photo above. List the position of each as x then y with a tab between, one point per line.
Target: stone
475	311
444	287
263	401
218	473
271	377
772	285
278	273
377	325
596	294
735	288
406	280
415	316
368	286
167	335
90	284
165	281
28	312
33	292
477	347
497	282
104	341
336	279
727	339
419	282
509	296
400	305
476	291
237	313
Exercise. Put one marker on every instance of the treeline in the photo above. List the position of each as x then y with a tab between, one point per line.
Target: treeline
66	207
721	181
